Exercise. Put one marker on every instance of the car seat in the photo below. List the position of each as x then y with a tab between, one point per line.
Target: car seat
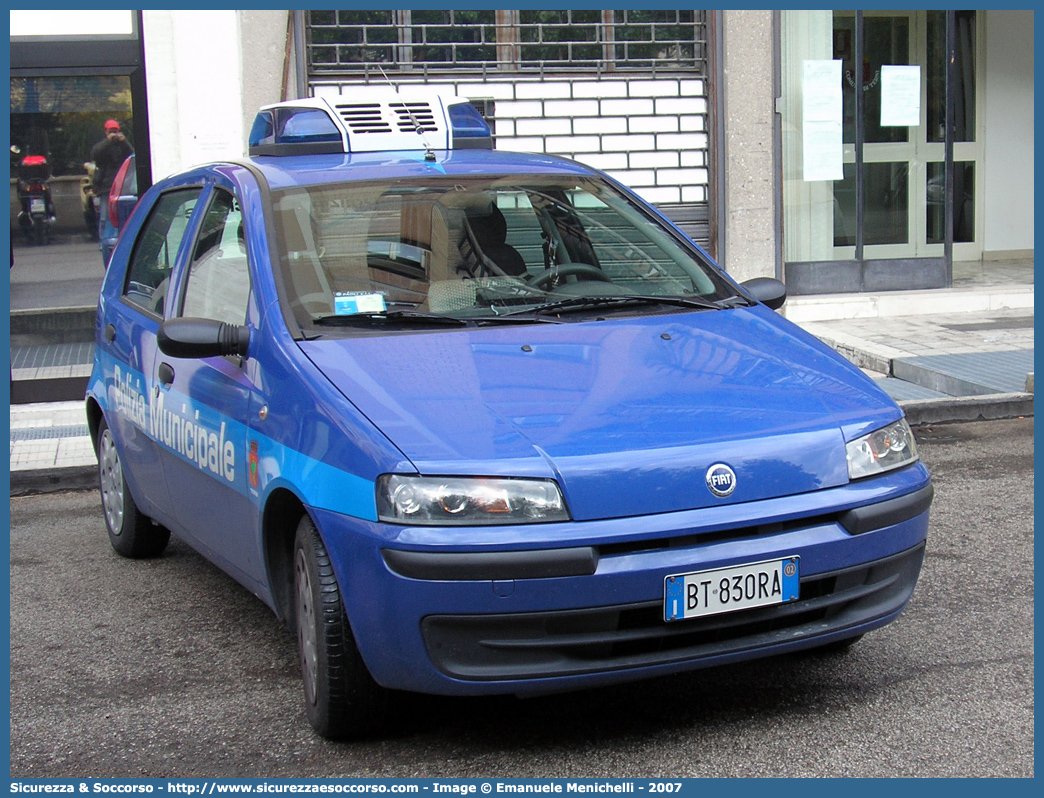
485	235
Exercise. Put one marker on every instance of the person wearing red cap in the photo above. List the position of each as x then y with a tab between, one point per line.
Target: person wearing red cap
108	155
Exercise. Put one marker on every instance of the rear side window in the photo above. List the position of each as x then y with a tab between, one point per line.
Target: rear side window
218	284
152	261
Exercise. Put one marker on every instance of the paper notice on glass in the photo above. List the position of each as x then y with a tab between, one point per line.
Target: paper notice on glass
822	151
822	146
900	96
821	91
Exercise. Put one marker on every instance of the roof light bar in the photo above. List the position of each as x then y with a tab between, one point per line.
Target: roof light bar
388	122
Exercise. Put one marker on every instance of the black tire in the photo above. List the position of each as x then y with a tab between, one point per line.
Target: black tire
341	698
131	533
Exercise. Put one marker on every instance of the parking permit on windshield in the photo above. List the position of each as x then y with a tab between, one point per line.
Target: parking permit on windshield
351	303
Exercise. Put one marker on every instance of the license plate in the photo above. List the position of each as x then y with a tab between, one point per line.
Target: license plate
36	205
738	587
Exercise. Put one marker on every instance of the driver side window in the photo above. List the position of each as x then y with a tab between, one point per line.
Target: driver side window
153	258
218	283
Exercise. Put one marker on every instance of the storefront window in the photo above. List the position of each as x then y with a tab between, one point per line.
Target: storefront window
62	118
964	77
863	110
963	202
55	123
886	41
885	208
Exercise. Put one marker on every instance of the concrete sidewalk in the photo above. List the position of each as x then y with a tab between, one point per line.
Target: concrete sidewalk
51	448
959	354
946	367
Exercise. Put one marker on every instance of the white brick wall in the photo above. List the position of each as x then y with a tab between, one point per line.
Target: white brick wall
615	161
600	88
573	108
629	107
654	124
654	160
547	127
600	124
648	133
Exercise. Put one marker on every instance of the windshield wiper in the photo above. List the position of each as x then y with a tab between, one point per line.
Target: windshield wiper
589	302
420	318
402	316
525	315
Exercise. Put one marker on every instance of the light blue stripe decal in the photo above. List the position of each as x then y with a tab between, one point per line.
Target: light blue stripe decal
319	484
226	450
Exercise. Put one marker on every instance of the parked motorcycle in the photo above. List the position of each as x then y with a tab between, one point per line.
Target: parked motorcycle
36	217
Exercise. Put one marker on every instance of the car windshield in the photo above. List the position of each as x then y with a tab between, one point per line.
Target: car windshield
480	249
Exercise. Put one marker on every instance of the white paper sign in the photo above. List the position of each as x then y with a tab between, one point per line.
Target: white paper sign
821	110
900	96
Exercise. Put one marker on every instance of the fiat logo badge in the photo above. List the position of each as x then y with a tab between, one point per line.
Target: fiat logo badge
721	479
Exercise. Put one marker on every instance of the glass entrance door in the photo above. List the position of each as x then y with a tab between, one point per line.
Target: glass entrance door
903	157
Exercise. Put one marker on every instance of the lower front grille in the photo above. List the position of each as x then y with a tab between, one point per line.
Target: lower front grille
573	642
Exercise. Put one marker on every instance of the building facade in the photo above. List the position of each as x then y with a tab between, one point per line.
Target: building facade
841	151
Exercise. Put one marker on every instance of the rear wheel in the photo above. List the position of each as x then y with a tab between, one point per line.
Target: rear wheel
341	698
131	533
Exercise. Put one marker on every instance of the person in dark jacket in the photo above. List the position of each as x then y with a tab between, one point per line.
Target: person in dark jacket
108	155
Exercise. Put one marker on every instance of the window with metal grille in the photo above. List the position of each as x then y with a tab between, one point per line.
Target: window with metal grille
582	41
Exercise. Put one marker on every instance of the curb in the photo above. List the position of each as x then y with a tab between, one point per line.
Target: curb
857	350
967	408
40	326
54	480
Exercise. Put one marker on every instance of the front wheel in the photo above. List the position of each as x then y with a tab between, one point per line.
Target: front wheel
341	698
131	533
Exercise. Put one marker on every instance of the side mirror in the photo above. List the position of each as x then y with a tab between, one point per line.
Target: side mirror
767	290
198	338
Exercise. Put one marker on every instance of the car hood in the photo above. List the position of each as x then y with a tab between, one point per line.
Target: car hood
628	415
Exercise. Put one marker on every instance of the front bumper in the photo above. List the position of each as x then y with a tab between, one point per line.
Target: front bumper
564	606
548	645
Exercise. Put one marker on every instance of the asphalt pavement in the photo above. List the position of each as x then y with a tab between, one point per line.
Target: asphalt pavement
167	668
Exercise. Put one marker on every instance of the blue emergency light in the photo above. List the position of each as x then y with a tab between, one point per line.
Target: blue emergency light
374	123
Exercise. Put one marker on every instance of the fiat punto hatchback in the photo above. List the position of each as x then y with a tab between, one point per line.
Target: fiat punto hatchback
477	422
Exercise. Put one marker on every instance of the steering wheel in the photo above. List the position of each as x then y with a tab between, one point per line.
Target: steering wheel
580	270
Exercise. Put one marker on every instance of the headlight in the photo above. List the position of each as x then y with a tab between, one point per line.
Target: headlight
882	450
468	501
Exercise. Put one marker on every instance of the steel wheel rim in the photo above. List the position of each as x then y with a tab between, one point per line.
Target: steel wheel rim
111	483
306	628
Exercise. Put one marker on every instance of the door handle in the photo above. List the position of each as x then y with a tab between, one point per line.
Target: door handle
110	333
165	374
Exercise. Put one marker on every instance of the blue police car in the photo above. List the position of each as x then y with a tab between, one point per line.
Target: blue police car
477	422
